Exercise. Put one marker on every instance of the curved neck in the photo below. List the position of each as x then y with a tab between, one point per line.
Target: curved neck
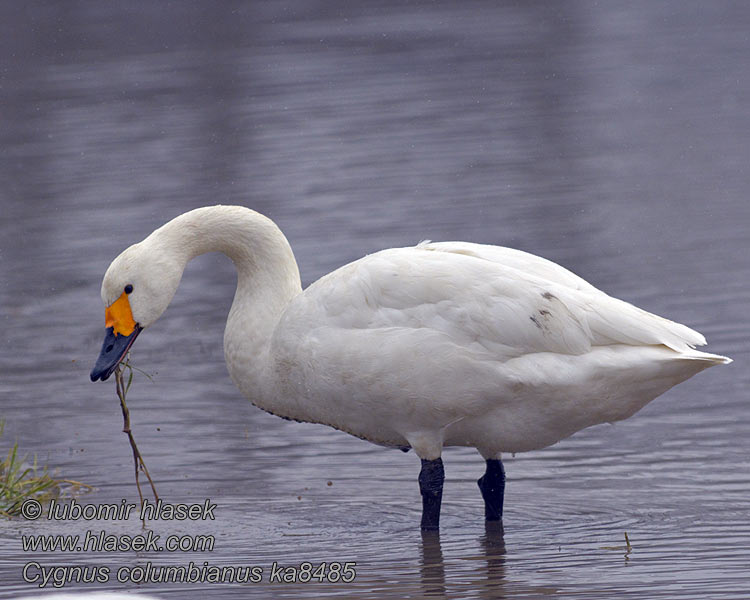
267	275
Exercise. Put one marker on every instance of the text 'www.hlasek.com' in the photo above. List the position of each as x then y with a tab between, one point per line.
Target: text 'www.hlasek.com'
47	575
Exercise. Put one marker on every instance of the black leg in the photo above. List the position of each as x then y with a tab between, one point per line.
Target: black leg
492	485
431	479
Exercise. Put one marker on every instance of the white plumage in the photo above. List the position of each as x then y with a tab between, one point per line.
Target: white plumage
464	344
440	344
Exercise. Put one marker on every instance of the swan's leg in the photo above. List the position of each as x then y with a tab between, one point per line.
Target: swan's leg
492	486
431	479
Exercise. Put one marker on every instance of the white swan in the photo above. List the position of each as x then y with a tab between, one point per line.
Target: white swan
442	344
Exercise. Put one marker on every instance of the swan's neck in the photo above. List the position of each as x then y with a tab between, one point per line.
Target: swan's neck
267	280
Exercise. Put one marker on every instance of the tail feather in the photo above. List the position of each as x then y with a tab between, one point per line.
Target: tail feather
714	359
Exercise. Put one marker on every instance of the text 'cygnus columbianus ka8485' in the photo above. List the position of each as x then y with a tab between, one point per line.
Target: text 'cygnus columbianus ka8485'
442	344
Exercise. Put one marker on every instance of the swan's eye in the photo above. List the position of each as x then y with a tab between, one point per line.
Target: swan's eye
128	288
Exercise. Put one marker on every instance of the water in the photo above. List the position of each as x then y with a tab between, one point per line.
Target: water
611	139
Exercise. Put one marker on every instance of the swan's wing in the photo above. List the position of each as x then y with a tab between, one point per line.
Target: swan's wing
609	319
476	304
503	302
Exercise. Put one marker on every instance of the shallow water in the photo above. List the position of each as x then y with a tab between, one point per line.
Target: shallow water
613	140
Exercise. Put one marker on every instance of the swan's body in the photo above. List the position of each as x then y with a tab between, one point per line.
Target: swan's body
444	344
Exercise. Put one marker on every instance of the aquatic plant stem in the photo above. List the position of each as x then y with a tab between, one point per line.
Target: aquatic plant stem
140	465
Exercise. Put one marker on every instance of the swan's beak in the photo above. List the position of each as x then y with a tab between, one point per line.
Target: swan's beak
121	333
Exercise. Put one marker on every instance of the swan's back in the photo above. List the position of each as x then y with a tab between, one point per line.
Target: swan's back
507	300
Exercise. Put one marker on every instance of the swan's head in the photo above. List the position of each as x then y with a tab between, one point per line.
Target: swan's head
137	288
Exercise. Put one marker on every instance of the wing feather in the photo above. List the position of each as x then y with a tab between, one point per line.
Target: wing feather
473	303
494	302
609	319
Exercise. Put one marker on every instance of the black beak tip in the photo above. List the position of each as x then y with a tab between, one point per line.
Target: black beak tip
97	374
114	349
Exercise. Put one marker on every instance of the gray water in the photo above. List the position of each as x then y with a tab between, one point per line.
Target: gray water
612	138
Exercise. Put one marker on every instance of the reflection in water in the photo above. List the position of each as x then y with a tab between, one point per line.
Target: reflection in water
493	543
432	567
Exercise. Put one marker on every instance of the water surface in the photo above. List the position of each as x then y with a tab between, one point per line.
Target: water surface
611	139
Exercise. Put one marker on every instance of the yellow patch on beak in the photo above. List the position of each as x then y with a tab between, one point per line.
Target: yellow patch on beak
119	316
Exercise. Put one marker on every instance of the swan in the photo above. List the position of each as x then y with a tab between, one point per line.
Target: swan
441	344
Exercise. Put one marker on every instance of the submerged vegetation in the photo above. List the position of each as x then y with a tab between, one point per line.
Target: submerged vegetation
21	480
